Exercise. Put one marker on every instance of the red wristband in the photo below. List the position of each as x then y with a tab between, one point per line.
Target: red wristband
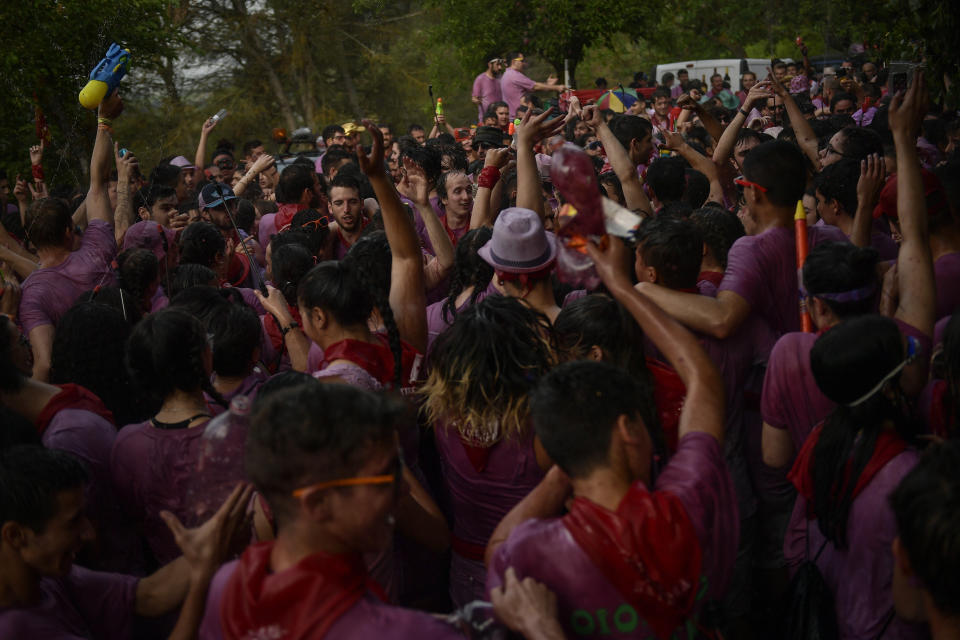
488	177
37	172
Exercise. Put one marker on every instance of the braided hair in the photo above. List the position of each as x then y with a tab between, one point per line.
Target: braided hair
469	270
138	272
165	353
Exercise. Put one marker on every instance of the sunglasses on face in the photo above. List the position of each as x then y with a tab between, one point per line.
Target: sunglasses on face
225	164
743	182
394	478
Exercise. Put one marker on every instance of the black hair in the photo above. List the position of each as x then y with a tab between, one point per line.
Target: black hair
89	349
184	276
17	430
610	178
293	181
469	270
165	174
121	300
847	362
575	408
673	247
335	154
333	287
442	183
840	96
838	181
345	180
484	366
31	478
246	215
250	145
236	331
458	160
780	168
427	158
719	229
138	270
201	243
47	221
749	135
308	228
165	353
11	378
330	131
315	432
415	127
926	506
859	143
148	196
667	179
697	188
660	92
290	263
667	77
840	267
628	128
277	383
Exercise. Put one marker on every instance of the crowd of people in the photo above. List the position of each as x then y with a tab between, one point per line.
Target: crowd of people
435	435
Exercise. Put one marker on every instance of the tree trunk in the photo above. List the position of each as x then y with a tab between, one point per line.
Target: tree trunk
348	83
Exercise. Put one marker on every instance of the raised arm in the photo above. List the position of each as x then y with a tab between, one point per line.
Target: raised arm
914	261
408	299
806	138
199	160
872	176
530	131
698	161
619	159
122	217
98	201
259	165
417	185
483	212
703	409
689	106
726	143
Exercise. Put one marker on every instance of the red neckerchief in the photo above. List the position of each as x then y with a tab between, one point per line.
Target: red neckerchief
72	396
273	329
301	602
648	549
285	213
713	277
454	238
889	445
375	359
669	393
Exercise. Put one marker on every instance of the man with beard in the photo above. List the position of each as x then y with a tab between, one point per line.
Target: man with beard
486	86
346	207
298	189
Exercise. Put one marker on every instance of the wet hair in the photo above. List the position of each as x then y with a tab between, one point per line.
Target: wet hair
89	349
746	135
334	155
926	506
859	143
47	221
148	196
780	168
847	362
290	263
697	189
31	478
838	181
442	183
426	157
575	409
138	269
308	228
839	267
201	243
184	276
312	433
457	157
627	128
469	270
293	181
667	179
165	174
484	366
236	332
165	353
719	229
11	379
673	246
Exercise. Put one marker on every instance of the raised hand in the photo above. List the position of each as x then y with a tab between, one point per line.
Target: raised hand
775	84
261	163
206	547
873	174
112	106
497	157
372	165
20	191
36	153
415	183
533	129
907	109
673	140
274	303
759	91
611	261
592	116
127	165
38	190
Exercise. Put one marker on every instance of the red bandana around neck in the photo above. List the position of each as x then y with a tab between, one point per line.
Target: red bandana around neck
647	549
301	602
375	358
72	396
889	445
285	213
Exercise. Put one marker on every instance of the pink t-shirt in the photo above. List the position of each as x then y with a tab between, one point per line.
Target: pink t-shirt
589	606
513	84
84	604
48	293
488	90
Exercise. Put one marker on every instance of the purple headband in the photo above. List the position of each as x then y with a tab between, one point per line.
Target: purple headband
856	295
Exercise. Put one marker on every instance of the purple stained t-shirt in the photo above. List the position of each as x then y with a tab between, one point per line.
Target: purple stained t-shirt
513	84
152	469
762	270
861	576
946	273
49	292
368	618
488	90
90	438
83	604
589	606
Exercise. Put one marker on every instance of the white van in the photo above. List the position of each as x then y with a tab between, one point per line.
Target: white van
727	67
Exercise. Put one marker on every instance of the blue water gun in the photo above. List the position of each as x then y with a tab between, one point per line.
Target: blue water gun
105	76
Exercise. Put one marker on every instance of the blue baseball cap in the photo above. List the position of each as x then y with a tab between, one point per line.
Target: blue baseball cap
210	195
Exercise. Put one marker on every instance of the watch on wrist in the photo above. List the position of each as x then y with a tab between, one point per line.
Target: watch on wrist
290	327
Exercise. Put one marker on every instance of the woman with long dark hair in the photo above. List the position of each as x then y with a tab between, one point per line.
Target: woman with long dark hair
170	360
848	467
483	368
